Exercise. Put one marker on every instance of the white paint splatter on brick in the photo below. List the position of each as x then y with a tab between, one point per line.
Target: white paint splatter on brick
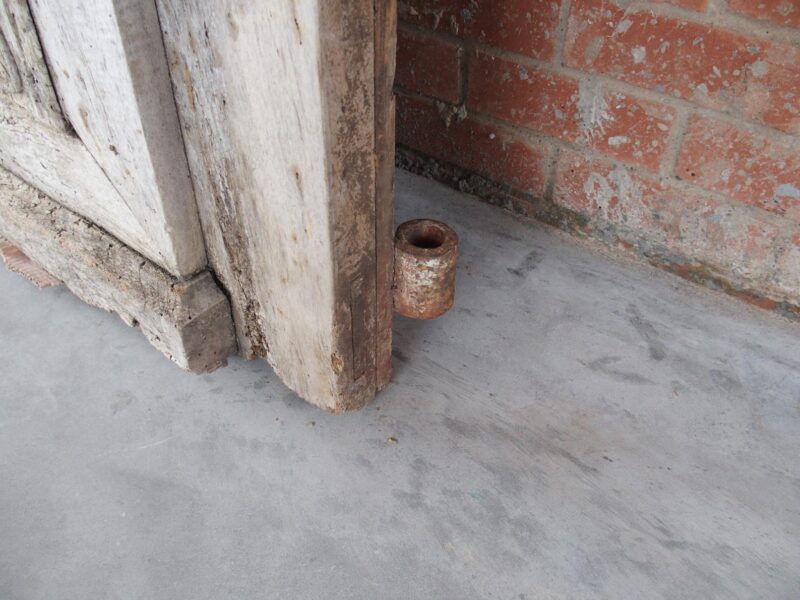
785	8
760	68
787	190
623	26
593	109
619	185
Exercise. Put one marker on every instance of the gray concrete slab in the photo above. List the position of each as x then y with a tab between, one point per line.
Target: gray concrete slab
577	427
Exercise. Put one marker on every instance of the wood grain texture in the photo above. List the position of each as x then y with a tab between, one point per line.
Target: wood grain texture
385	68
110	71
24	78
189	321
60	165
346	80
218	167
277	104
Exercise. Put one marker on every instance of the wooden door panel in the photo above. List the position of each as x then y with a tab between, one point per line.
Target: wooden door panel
35	142
110	72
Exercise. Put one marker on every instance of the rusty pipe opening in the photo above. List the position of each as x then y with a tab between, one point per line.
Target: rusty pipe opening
426	255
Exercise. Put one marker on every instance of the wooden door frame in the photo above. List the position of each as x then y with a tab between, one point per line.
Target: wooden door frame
287	104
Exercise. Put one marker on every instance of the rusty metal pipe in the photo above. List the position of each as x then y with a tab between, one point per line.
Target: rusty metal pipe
425	258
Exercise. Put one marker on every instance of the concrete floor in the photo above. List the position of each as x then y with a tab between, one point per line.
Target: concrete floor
576	428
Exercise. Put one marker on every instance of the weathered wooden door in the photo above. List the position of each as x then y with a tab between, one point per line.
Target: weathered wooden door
251	140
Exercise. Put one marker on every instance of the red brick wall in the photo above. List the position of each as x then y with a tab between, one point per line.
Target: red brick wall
670	128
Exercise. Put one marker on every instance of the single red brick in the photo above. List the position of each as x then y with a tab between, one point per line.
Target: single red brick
728	238
428	66
704	64
576	111
488	151
699	5
782	12
743	165
524	26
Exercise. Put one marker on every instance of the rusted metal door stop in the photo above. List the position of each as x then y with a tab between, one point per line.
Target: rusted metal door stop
425	259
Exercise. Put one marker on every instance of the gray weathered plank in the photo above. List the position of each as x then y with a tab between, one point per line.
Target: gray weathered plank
278	107
110	72
189	321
